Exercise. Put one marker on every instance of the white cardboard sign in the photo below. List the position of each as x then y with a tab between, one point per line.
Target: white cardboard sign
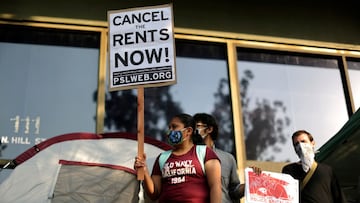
141	47
270	187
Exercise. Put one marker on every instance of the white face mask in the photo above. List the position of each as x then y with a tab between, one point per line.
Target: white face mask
200	133
306	153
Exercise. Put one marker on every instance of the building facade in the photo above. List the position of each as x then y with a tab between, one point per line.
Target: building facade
263	70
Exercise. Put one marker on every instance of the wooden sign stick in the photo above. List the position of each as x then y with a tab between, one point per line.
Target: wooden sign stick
140	132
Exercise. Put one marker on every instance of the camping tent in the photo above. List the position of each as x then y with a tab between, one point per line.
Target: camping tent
79	167
342	153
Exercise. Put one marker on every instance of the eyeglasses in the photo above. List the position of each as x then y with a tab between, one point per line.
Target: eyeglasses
201	125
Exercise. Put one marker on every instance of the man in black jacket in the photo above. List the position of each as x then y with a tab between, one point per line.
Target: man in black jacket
318	183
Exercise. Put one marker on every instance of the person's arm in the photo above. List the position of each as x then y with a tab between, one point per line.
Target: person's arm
152	184
234	181
213	174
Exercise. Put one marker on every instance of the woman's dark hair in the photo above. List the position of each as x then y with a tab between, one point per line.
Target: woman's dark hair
187	120
210	122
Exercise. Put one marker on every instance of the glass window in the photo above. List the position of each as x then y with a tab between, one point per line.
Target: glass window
202	86
47	81
282	93
354	75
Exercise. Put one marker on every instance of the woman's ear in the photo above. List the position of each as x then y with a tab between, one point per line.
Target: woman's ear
190	130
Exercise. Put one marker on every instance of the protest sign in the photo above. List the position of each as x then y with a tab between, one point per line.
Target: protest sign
270	187
141	54
141	47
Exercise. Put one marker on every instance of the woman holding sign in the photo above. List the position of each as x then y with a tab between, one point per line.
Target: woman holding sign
188	173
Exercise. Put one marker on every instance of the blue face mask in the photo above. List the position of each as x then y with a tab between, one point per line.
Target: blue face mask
175	137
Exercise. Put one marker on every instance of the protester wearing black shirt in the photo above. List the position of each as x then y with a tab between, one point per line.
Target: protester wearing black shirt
322	185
